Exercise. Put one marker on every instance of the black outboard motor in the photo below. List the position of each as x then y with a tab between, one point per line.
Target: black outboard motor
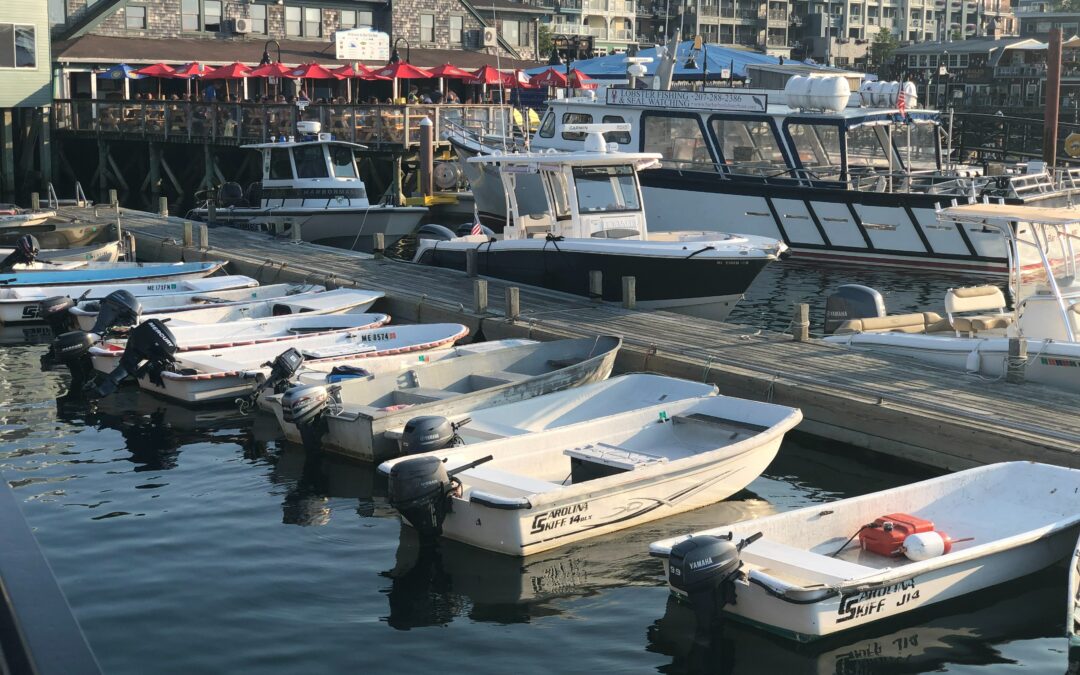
430	432
420	489
231	194
852	301
119	308
150	349
465	229
705	568
24	253
282	368
436	232
72	350
55	312
304	406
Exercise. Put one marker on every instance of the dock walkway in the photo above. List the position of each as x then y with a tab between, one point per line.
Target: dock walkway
886	404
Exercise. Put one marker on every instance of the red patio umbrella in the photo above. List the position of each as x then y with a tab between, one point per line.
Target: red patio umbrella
579	80
365	73
190	71
158	70
403	70
359	72
517	80
312	71
233	71
549	78
271	70
449	72
487	75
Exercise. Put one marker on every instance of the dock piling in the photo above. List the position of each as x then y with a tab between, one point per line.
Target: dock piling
427	156
295	234
480	296
204	236
378	245
113	201
629	292
1017	361
470	262
35	200
163	206
800	324
187	233
596	285
513	303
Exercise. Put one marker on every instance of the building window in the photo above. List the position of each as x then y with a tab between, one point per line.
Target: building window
347	20
257	14
427	28
366	19
189	15
135	17
57	12
293	24
456	25
312	22
511	31
212	15
18	46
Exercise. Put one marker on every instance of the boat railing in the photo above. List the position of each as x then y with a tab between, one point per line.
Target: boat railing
492	133
1068	179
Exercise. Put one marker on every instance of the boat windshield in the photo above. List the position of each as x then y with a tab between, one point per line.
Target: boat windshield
818	148
749	147
310	162
866	145
921	154
530	195
341	159
603	189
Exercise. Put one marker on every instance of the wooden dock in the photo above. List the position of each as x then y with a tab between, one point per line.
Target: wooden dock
889	405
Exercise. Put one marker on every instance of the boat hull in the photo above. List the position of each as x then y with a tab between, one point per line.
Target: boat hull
350	228
1072	620
136	272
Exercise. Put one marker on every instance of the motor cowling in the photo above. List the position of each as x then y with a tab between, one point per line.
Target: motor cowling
55	311
72	349
305	406
419	490
429	432
24	253
704	567
149	351
119	308
852	301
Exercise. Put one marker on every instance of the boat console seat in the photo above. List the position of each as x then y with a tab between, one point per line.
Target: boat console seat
977	299
504	483
613	456
789	562
918	322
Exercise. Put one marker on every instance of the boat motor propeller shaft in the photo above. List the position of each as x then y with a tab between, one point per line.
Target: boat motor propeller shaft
149	351
705	568
24	253
419	489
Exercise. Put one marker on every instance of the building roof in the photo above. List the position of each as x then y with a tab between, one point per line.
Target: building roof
484	7
973	46
101	49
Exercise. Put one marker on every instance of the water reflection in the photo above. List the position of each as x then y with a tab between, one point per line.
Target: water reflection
969	631
313	478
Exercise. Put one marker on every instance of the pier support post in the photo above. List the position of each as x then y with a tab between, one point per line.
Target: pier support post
163	206
427	156
800	324
154	173
596	285
629	292
470	262
7	163
204	236
1017	361
480	296
513	303
35	200
295	233
188	228
378	245
113	201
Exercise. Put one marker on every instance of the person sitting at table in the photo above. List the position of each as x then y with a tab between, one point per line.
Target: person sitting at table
414	96
452	97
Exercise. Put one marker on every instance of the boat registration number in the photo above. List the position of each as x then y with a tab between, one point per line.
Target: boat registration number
876	600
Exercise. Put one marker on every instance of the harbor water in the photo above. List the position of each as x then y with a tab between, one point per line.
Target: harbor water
198	541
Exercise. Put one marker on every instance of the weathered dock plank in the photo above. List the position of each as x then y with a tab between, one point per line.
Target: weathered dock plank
886	404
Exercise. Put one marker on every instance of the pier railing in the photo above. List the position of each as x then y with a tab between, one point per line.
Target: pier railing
240	123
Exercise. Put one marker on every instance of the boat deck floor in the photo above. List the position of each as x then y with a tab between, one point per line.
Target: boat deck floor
885	403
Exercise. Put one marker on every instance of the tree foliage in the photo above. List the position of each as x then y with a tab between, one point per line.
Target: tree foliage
544	42
882	48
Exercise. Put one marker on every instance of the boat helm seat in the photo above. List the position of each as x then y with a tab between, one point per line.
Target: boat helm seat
918	322
961	305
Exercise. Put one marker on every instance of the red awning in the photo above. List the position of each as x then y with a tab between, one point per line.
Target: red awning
233	71
312	71
403	70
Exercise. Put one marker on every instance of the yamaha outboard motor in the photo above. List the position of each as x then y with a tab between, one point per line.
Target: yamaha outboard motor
24	253
436	232
430	432
420	490
149	351
119	308
55	312
72	350
705	567
282	368
852	301
304	406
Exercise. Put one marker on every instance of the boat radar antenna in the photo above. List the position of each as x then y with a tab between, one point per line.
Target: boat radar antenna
594	139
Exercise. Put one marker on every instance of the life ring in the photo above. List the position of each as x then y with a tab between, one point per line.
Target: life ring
1072	144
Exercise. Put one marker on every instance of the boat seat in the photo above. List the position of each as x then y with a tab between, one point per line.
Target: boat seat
422	395
976	299
782	561
613	456
918	322
504	483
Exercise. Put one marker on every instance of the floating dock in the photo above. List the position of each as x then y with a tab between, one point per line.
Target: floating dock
889	405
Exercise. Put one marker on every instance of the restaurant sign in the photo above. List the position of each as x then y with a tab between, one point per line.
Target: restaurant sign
362	44
688	100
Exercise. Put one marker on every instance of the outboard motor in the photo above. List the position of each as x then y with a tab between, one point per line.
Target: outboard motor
282	368
466	229
119	308
304	406
73	350
231	194
852	301
149	351
430	432
704	567
420	488
436	232
24	253
55	312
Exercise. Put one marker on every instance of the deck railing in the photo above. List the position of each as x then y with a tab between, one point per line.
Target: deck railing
262	122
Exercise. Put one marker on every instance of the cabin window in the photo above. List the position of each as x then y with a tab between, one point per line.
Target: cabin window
924	147
547	129
749	147
575	118
603	189
620	137
866	145
530	195
341	158
310	162
559	195
280	168
679	140
818	147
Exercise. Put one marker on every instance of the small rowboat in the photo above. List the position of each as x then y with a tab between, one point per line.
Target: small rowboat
526	494
108	252
111	273
225	374
793	574
352	417
22	303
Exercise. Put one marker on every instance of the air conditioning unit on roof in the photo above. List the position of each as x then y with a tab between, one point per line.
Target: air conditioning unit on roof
490	38
241	26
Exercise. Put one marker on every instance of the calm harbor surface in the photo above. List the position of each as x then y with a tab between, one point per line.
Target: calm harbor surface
197	541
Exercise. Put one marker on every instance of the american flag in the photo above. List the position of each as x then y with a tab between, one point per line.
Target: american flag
476	228
901	104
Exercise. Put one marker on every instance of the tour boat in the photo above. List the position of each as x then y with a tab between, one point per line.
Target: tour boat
975	333
572	214
311	182
807	165
526	494
352	417
111	273
819	570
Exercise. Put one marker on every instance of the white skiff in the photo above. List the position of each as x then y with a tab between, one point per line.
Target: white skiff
527	494
107	252
352	417
1015	518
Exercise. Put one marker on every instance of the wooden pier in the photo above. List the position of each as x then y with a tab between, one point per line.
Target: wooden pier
885	404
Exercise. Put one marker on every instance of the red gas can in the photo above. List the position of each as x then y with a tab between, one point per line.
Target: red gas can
887	534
